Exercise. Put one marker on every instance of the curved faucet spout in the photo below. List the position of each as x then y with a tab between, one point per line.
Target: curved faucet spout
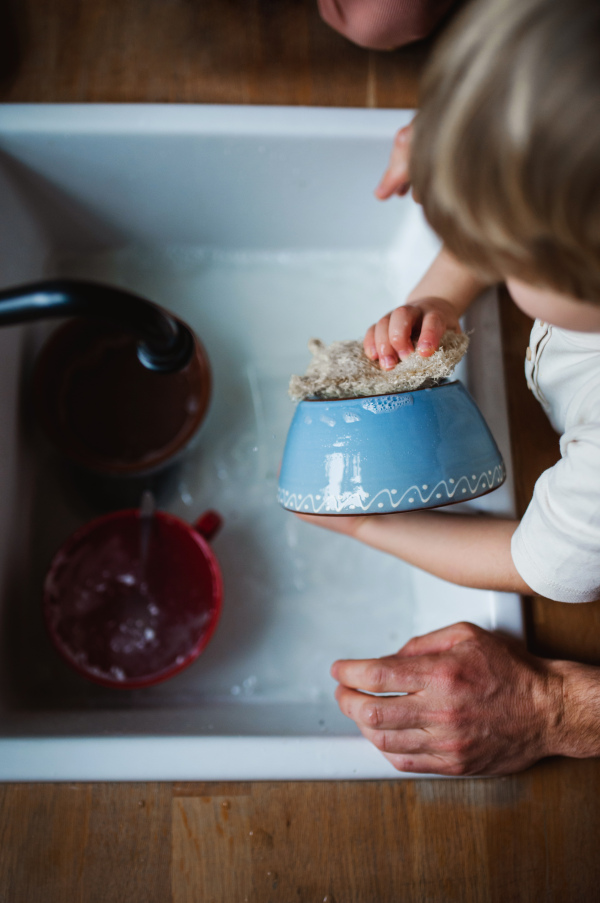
165	343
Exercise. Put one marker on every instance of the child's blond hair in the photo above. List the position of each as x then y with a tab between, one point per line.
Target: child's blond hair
506	149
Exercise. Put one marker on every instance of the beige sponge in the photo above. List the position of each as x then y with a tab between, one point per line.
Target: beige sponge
342	370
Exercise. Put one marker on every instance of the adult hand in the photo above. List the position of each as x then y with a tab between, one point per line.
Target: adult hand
396	178
391	338
476	703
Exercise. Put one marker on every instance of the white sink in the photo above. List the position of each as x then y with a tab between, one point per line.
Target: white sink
258	226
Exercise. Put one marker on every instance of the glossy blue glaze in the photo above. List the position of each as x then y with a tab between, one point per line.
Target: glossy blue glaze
388	453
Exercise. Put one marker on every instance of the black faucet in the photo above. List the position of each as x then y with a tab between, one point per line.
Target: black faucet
165	343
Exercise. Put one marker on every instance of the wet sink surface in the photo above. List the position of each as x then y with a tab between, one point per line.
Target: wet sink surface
292	264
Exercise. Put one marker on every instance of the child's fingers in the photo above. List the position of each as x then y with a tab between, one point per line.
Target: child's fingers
385	350
432	329
339	524
393	181
402	321
396	179
369	344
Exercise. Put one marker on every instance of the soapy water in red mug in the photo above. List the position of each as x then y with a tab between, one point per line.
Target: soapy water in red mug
120	618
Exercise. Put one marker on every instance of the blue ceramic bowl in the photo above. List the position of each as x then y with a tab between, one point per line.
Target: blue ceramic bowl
388	453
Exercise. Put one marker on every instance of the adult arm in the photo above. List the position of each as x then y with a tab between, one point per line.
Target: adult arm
476	703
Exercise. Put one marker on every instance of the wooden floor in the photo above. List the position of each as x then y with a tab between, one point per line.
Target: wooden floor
531	837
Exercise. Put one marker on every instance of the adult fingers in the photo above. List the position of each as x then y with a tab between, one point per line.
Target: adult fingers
416	763
400	743
390	674
440	640
380	713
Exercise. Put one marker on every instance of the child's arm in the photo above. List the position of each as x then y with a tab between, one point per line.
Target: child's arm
471	550
434	306
440	298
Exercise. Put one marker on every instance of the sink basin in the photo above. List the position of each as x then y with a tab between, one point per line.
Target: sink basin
257	226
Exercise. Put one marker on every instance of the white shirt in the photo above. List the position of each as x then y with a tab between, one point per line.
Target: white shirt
556	548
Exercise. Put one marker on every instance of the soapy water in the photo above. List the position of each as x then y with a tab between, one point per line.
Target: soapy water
295	597
128	600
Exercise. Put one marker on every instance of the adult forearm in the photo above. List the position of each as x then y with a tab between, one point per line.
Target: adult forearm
471	550
574	729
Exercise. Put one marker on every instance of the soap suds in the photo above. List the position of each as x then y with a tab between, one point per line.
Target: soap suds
342	370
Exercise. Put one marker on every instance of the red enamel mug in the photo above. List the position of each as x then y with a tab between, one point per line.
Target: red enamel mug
128	603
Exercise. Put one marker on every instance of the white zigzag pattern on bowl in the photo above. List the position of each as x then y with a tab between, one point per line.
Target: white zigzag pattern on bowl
307	502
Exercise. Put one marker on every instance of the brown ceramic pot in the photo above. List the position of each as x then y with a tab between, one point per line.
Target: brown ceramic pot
105	411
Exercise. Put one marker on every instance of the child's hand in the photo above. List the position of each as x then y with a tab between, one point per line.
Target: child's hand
424	320
396	178
476	703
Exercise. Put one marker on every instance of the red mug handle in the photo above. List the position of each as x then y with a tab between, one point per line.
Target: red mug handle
208	524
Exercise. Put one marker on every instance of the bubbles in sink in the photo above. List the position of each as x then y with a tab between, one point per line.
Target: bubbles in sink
134	636
295	597
249	685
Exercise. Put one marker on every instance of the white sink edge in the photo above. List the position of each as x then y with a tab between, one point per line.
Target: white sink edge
213	119
196	759
216	758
